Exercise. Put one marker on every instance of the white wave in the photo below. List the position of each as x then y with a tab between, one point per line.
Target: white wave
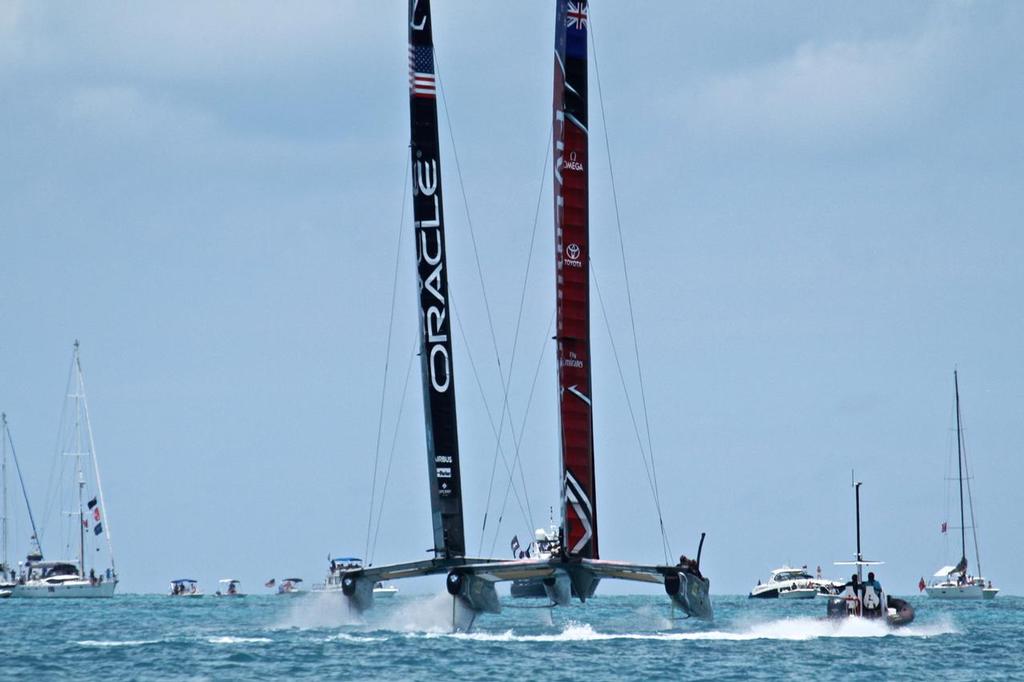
228	639
358	639
791	629
112	643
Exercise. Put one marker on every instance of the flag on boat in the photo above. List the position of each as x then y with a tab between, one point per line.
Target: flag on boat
921	585
944	527
515	546
270	583
98	528
92	503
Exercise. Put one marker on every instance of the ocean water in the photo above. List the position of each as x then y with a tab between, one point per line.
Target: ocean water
408	638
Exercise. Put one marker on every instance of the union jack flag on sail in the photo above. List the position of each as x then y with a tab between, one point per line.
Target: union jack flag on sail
576	16
421	71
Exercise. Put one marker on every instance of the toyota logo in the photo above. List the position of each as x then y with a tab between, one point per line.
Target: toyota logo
573	251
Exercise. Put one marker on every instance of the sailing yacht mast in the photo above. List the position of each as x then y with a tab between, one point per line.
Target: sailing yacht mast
962	566
3	474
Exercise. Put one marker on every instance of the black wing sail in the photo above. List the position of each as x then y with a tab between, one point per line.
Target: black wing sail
431	263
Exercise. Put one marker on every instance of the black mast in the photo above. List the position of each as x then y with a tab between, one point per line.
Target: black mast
856	495
432	267
962	566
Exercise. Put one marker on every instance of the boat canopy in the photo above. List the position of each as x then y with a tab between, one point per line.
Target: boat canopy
230	580
348	559
293	580
945	571
178	581
858	563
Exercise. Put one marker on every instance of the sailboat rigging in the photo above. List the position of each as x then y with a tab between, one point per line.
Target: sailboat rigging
955	582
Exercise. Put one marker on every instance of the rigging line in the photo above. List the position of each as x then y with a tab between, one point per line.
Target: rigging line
53	487
391	455
522	427
387	356
483	397
625	273
479	270
629	405
519	320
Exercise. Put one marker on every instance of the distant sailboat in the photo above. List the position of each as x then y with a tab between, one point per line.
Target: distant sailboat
956	582
74	578
7	577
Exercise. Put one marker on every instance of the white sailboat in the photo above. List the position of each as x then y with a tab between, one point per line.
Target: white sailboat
7	577
83	576
956	582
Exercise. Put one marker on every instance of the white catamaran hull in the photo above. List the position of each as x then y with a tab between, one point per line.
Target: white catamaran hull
65	590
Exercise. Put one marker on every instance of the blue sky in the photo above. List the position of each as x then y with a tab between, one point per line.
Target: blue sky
820	206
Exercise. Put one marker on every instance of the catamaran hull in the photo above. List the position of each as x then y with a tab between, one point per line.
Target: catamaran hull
84	590
690	593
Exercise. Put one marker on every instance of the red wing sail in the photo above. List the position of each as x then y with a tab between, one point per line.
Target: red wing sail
579	503
432	266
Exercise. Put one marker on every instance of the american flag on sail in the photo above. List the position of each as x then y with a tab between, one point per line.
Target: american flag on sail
576	16
421	71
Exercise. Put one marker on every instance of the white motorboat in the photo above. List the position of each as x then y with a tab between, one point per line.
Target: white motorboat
793	583
231	588
382	590
290	586
955	582
185	587
336	570
73	578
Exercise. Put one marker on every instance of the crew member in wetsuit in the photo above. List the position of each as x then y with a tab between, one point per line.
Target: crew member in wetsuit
877	587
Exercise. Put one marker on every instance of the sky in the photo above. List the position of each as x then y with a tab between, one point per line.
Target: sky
820	210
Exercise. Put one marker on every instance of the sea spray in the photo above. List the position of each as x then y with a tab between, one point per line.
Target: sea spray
319	610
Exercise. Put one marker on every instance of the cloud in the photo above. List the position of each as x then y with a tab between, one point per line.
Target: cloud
128	112
831	91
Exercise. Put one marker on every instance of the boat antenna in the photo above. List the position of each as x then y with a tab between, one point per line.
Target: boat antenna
960	475
856	496
17	467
